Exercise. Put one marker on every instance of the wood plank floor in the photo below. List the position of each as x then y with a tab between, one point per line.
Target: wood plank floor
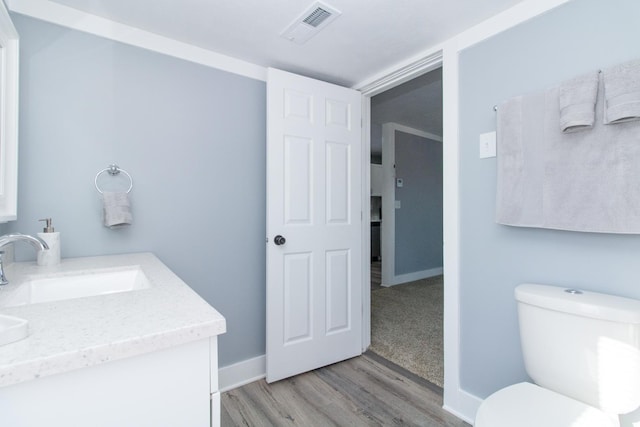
363	391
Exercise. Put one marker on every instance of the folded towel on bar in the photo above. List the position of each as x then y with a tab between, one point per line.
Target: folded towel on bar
581	181
590	181
116	209
577	99
622	92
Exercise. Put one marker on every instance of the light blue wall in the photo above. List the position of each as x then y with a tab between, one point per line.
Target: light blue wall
580	36
193	139
419	220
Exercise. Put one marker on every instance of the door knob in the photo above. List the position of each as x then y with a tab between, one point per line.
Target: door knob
279	240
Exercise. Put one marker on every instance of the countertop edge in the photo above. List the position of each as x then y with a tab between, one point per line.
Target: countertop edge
27	360
93	356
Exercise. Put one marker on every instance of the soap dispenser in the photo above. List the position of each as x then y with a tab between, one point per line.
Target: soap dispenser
49	256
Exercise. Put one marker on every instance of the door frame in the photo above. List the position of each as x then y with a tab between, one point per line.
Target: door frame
388	231
455	399
395	78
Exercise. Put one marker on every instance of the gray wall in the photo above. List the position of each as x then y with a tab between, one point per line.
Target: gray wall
577	37
419	220
192	138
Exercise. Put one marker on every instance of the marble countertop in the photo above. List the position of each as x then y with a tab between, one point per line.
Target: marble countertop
76	333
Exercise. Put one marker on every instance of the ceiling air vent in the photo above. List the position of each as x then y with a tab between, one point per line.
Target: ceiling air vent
317	17
307	25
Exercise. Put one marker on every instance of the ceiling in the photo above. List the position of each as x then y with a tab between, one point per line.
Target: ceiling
416	104
367	38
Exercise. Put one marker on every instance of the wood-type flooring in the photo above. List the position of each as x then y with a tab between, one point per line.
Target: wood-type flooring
363	391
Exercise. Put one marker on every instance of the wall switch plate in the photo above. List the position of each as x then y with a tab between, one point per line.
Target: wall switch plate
399	182
487	145
398	204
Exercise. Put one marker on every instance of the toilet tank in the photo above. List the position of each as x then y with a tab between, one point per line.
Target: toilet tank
581	344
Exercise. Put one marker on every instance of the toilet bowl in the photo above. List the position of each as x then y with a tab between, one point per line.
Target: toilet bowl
582	350
528	405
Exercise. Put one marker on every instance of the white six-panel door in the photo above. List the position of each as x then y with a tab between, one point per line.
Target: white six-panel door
314	289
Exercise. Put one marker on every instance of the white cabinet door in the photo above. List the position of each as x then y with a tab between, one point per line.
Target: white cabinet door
314	165
169	387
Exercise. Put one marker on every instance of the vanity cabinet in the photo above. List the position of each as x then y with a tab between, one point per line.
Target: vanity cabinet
177	386
138	358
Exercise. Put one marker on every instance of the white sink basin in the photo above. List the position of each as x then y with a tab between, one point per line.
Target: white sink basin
12	329
86	283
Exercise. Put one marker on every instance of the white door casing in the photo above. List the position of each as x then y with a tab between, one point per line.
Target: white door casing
388	226
314	279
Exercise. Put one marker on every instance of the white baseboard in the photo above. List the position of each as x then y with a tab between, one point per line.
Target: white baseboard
241	373
411	277
466	406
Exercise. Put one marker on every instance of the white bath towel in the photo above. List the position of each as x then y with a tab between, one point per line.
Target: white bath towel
577	99
116	209
521	148
622	93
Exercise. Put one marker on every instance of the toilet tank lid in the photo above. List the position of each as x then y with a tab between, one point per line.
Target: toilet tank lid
582	303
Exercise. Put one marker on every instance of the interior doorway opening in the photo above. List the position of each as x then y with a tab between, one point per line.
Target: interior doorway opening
406	225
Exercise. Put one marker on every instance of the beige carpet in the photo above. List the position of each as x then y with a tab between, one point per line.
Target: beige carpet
406	327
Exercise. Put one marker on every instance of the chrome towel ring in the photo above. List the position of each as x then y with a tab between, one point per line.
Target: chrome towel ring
113	170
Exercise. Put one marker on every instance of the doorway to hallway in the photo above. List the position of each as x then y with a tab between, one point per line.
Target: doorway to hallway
406	274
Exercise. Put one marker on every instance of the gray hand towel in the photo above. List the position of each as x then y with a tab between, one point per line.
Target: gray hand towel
116	209
577	98
622	93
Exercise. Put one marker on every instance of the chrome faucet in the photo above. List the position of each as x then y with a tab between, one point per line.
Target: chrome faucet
36	242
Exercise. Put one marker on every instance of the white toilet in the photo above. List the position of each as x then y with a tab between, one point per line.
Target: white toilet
582	350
